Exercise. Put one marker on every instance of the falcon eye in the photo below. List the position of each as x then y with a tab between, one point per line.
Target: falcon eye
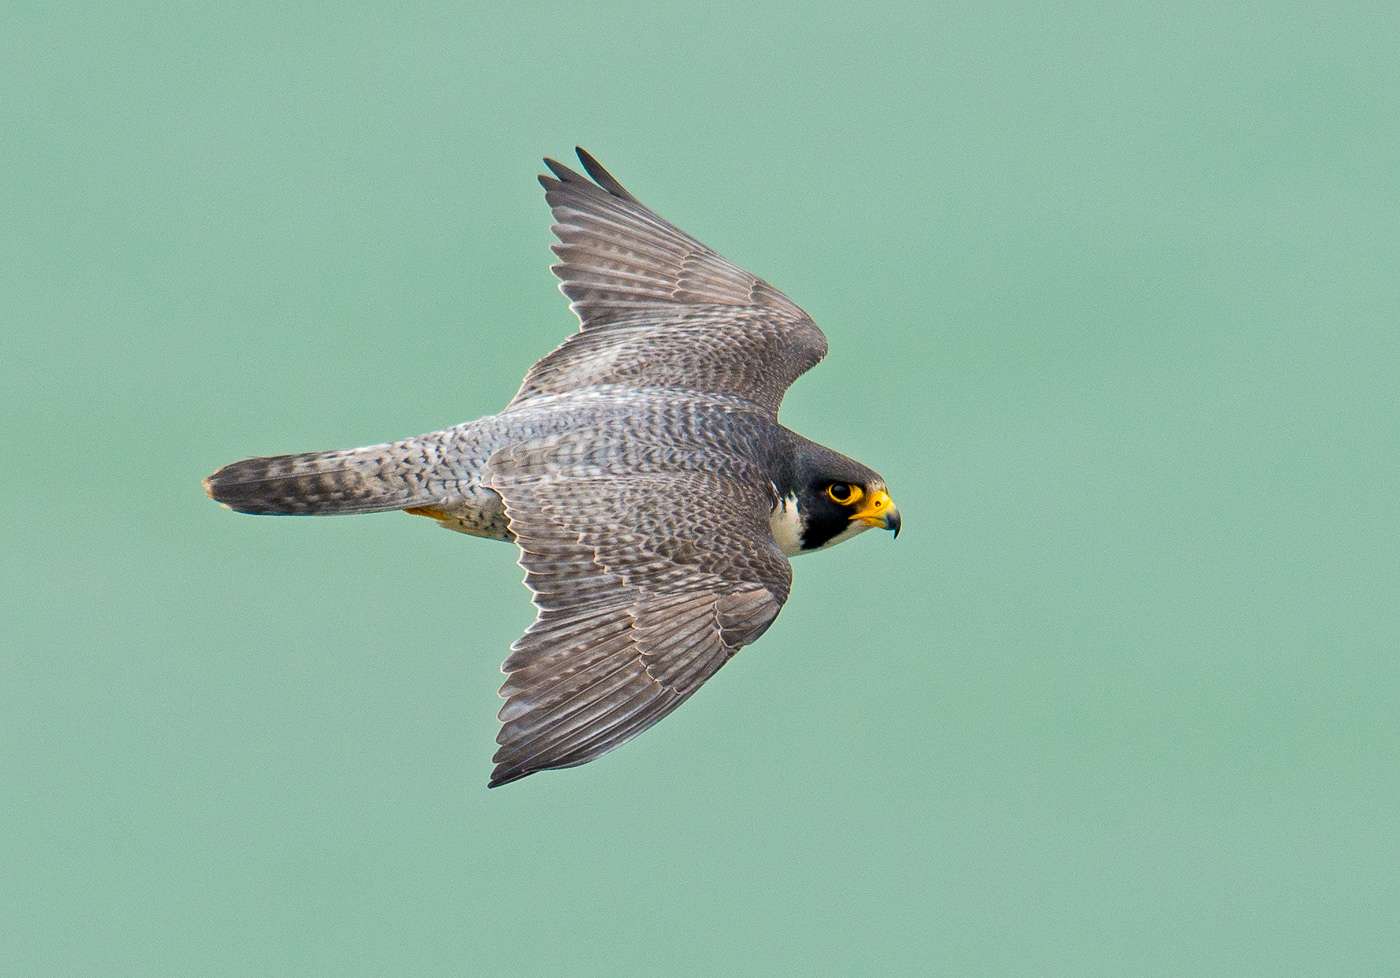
840	492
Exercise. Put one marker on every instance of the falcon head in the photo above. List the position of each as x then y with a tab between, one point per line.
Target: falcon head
829	499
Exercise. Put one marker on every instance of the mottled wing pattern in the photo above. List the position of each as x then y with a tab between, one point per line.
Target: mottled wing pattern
660	309
645	585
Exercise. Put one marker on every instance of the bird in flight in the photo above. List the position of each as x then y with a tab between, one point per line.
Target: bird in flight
641	470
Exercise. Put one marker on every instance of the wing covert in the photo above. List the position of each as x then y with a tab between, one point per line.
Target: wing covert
645	586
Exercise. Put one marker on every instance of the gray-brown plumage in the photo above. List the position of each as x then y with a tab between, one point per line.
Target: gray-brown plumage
640	469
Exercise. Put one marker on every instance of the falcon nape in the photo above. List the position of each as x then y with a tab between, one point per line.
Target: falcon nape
641	470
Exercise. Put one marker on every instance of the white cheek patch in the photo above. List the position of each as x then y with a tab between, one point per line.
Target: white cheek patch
786	524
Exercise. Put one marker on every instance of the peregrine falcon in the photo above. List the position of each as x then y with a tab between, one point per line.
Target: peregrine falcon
641	470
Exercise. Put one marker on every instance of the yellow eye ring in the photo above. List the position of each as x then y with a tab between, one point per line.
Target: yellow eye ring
843	494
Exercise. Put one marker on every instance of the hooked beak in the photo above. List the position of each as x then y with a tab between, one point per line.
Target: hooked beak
880	511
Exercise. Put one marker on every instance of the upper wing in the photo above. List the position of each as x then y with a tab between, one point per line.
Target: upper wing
658	308
645	584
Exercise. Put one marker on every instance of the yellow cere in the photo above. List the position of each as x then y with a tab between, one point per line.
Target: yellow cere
874	511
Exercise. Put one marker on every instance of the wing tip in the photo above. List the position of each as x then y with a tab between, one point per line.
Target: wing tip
562	172
504	774
601	178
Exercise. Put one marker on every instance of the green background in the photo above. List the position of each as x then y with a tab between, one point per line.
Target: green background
1112	292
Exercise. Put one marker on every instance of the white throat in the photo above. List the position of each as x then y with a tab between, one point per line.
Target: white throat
786	524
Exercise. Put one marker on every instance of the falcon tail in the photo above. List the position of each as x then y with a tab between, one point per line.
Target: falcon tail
359	480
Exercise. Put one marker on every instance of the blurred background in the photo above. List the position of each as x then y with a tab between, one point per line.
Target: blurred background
1112	298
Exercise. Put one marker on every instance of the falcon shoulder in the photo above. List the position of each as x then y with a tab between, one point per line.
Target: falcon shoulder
659	309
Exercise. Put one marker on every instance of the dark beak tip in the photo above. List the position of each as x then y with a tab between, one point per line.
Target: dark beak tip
894	524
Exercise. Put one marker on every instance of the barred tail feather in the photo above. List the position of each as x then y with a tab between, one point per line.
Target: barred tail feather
359	480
